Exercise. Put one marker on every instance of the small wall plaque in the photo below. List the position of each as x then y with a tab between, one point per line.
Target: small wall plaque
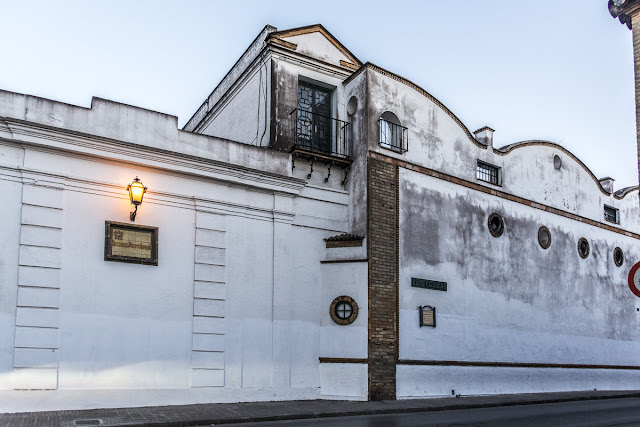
427	316
428	284
130	243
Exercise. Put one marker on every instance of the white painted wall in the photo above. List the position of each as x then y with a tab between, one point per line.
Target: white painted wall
438	142
243	114
231	311
10	211
237	308
509	300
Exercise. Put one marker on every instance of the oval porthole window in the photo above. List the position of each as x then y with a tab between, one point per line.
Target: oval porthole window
343	310
352	105
496	225
544	237
583	247
618	257
557	162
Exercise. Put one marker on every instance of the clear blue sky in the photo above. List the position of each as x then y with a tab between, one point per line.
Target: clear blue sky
544	69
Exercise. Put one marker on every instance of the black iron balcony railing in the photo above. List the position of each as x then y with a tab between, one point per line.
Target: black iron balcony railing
393	136
320	134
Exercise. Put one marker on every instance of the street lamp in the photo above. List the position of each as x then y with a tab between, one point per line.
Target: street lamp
136	193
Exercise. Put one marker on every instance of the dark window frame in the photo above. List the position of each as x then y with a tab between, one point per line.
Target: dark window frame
486	172
318	133
495	217
334	313
541	231
608	216
618	261
583	241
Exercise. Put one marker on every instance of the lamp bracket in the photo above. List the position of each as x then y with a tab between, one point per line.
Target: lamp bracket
132	215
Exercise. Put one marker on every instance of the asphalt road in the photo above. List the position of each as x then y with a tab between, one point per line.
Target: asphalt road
609	412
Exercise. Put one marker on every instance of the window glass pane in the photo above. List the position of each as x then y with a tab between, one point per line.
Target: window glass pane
610	214
488	173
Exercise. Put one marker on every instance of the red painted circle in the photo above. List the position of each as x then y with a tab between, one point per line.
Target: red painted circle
632	284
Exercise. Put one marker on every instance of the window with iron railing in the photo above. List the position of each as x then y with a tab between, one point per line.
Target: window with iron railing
611	214
393	136
320	134
488	173
313	127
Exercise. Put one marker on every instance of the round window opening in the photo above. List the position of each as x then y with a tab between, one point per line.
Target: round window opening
343	310
583	247
352	105
496	225
618	257
544	237
557	162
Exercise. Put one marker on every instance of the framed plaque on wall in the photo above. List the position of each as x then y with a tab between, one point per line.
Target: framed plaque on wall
130	243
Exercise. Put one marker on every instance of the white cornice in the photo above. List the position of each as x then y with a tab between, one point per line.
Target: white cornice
73	143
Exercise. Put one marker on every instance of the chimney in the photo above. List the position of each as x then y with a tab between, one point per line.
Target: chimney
485	136
607	183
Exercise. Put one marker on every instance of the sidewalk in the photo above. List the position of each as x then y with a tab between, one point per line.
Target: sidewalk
224	413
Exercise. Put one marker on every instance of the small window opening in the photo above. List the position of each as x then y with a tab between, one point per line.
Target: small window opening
488	173
557	162
393	135
544	237
343	310
611	214
583	247
618	257
496	225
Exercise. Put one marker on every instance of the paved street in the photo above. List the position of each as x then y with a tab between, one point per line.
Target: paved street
614	412
565	408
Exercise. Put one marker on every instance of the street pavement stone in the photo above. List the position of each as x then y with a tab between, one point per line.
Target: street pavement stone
224	413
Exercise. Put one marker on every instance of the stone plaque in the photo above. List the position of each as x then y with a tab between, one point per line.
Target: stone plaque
427	316
428	284
131	243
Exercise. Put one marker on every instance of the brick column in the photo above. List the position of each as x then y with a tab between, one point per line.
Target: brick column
635	23
382	241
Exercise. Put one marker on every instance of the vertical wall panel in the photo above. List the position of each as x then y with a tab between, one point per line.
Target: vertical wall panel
207	360
37	335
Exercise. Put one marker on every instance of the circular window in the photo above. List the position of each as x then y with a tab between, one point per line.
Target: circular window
618	257
496	225
544	237
583	247
557	162
343	310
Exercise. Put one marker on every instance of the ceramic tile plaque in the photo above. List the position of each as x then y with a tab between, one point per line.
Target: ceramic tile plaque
428	284
131	243
427	316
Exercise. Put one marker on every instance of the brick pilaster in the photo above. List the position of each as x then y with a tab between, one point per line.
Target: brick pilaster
382	241
635	23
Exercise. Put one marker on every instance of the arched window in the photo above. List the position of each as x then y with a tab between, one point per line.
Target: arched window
392	134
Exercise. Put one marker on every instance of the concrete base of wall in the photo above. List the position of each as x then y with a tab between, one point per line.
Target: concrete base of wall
345	381
438	381
35	401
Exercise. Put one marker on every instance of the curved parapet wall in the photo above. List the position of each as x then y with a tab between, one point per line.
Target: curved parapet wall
439	141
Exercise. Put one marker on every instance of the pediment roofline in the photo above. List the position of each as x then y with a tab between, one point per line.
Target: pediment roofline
503	151
316	28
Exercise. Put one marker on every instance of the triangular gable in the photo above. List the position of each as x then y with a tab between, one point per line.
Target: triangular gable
317	42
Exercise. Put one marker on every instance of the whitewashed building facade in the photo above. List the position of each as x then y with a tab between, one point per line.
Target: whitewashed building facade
307	219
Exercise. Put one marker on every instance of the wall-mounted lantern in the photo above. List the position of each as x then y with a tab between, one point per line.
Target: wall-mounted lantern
427	315
136	193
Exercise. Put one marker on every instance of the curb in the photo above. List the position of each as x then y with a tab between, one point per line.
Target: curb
383	411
